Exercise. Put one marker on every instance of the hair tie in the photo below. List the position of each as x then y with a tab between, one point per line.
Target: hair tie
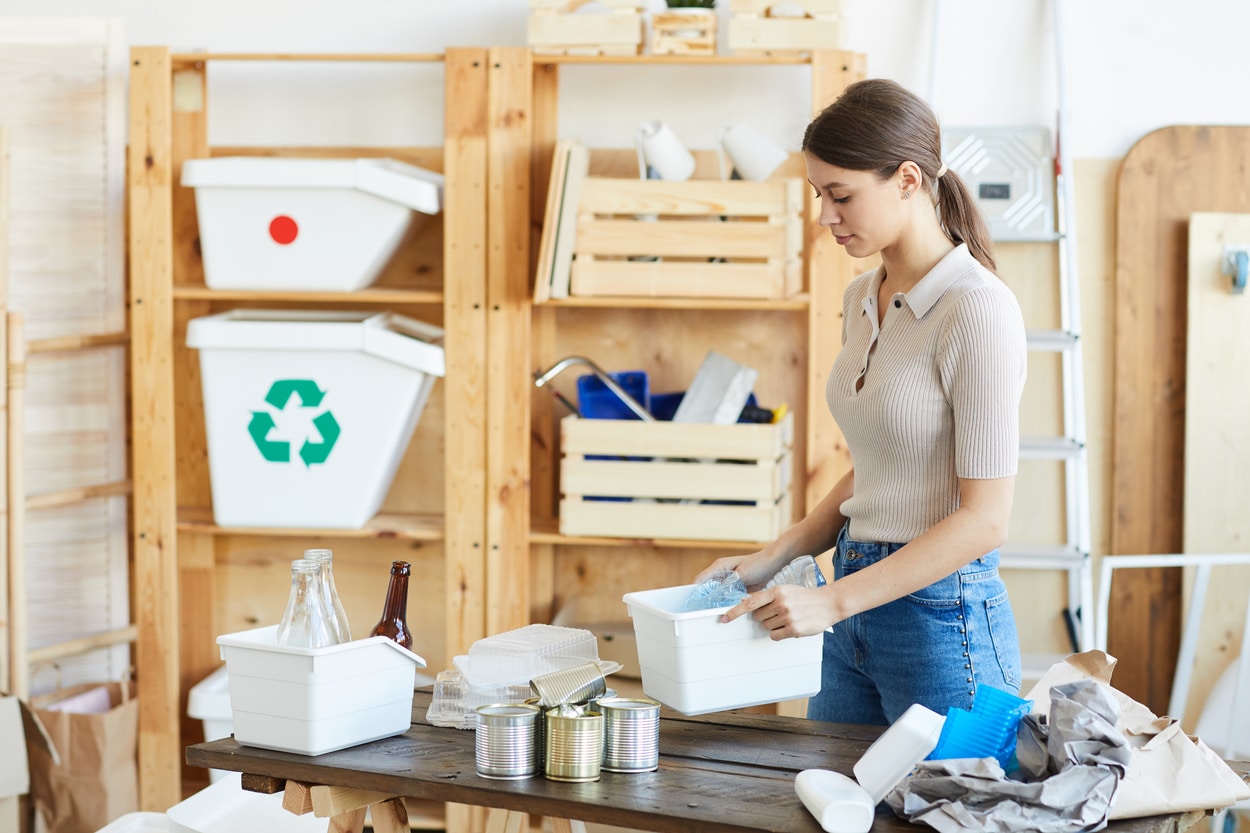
941	171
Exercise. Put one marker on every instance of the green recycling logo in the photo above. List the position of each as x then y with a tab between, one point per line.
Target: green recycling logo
279	396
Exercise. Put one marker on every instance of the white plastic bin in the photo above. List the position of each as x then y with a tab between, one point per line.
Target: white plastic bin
225	807
209	703
696	664
316	700
308	414
304	224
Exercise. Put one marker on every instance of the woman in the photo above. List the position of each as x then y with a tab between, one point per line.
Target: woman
926	390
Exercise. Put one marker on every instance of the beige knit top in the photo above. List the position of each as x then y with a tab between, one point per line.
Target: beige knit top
940	399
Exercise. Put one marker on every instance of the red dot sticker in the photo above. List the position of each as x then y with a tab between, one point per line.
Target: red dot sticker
283	230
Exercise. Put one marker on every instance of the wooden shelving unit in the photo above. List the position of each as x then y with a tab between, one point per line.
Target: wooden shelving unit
195	580
791	341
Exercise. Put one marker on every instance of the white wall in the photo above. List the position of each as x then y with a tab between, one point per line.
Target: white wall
1135	65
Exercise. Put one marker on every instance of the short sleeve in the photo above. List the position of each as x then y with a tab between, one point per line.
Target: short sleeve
983	361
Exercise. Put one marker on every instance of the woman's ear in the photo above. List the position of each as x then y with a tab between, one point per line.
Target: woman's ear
909	177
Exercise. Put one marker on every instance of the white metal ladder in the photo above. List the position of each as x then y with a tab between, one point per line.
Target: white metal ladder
1073	555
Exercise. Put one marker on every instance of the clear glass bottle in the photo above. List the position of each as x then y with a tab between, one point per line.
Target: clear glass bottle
325	558
394	621
308	621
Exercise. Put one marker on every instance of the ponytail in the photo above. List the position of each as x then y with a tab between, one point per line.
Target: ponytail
961	218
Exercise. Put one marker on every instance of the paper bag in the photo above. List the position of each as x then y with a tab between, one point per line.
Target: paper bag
85	774
1168	772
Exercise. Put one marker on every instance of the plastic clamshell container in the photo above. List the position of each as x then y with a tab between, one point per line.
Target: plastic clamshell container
269	378
304	224
895	754
316	700
694	663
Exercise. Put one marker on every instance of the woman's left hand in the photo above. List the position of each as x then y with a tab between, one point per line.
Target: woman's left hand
788	610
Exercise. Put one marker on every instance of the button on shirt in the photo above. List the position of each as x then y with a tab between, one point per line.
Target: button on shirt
930	395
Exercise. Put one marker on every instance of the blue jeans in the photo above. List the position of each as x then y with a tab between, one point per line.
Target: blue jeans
933	647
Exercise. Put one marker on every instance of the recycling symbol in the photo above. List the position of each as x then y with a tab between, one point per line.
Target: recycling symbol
279	396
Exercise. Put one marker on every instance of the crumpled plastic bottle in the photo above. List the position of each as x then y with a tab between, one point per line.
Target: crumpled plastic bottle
803	571
724	588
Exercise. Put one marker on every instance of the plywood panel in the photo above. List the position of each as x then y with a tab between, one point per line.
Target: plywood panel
61	94
1166	176
1217	446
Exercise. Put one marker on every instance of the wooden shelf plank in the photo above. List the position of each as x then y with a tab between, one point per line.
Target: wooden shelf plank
540	534
795	303
361	57
656	60
408	527
377	295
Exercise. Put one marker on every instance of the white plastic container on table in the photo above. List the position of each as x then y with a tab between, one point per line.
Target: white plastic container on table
304	224
694	663
317	700
270	377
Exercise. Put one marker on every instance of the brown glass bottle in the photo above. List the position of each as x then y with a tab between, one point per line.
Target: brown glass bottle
394	623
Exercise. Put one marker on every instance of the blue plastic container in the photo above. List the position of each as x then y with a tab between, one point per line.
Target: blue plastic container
596	401
987	731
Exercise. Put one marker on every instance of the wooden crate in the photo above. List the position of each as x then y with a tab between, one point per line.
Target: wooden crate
677	478
682	33
555	28
754	31
694	239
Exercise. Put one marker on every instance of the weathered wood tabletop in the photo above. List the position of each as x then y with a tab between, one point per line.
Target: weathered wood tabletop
723	773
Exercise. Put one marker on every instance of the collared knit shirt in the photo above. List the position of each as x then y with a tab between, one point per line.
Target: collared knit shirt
940	397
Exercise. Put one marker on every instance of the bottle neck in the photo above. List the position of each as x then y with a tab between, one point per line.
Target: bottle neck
396	606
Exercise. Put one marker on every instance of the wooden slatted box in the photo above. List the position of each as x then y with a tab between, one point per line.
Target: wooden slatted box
675	480
754	30
705	238
556	28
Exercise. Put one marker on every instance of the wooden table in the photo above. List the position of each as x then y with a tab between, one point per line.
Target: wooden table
722	773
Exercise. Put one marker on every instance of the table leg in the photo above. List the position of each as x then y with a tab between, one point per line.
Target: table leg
353	821
506	821
390	816
568	826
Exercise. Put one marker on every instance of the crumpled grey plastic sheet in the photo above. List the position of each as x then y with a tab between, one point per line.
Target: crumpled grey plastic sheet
1070	764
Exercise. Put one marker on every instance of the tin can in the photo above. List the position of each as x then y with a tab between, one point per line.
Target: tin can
540	732
574	746
506	740
631	734
577	684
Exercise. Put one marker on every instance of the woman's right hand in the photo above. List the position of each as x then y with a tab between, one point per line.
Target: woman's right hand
755	569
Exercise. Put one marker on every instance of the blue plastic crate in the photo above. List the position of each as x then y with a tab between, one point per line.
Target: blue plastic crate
596	401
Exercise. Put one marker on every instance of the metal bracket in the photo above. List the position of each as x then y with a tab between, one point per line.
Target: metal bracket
1236	264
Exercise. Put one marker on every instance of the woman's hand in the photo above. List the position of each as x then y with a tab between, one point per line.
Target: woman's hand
789	610
754	569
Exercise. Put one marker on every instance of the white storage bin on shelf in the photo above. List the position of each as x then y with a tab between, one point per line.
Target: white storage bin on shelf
209	702
316	700
696	664
304	224
308	414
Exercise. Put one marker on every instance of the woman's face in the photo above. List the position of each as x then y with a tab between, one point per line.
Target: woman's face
864	213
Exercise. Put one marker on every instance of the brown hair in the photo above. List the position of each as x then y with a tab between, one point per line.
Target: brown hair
877	125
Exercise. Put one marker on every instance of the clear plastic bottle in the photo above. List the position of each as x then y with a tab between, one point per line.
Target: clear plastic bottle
803	571
394	621
308	621
325	558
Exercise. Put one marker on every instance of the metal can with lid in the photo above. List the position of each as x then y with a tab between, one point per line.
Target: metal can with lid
506	738
574	746
631	734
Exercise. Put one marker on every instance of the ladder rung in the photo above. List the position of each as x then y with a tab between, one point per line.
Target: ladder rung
1045	237
1055	557
1050	448
1054	341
